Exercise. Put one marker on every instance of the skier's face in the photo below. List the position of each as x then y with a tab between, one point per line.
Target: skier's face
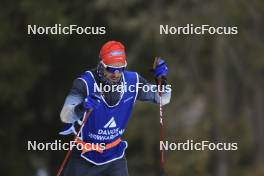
114	71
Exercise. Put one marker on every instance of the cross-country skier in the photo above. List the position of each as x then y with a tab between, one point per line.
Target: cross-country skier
110	111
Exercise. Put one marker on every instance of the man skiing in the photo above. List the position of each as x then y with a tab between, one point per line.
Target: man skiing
109	111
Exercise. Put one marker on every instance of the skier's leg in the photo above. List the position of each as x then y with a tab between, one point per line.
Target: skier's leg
117	168
78	166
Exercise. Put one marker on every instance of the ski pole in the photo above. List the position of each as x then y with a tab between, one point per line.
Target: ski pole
87	114
158	83
162	161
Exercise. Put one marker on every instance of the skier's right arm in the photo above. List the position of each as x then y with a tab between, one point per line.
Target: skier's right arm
73	109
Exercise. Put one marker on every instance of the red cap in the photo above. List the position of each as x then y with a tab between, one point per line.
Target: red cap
113	52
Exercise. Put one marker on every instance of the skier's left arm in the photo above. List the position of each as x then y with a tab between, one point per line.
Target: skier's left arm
145	90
